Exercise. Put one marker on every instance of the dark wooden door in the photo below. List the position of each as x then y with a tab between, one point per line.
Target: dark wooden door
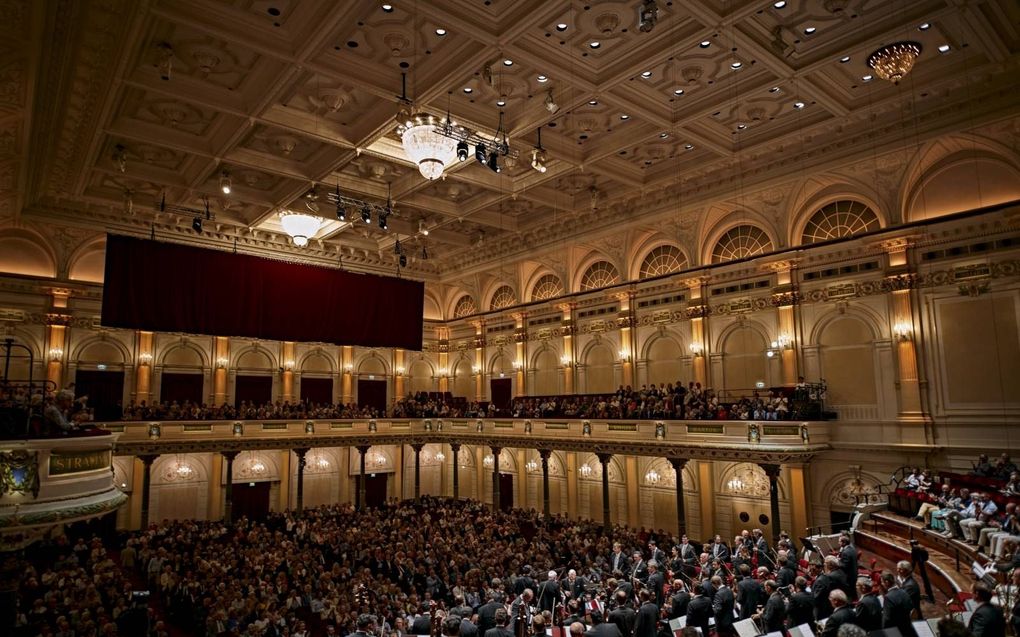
372	393
251	499
506	491
179	386
317	391
257	390
499	389
375	488
105	390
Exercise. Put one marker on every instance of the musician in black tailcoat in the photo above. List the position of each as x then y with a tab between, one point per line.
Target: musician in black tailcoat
487	613
897	606
699	611
822	586
763	550
749	592
841	614
499	628
623	615
719	551
848	562
647	617
773	617
688	555
601	628
656	583
868	613
679	600
722	608
787	572
801	609
549	594
618	560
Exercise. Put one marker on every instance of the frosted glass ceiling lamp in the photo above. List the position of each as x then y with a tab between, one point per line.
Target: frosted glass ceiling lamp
299	225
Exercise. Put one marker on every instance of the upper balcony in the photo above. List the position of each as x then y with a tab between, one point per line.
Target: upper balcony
751	441
45	482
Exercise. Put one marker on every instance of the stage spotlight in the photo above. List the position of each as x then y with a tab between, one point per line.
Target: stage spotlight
382	221
480	153
196	224
366	214
462	150
403	260
494	162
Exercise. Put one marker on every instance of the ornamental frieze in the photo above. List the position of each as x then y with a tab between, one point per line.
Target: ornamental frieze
697	311
661	317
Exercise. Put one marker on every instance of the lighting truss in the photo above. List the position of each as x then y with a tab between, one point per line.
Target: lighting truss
448	129
353	204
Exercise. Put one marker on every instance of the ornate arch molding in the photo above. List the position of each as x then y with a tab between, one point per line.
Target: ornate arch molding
617	473
830	195
182	344
533	280
936	156
754	478
758	328
178	469
497	287
604	341
667	334
29	235
859	312
508	352
465	303
544	347
125	353
274	362
30	340
667	476
97	243
844	489
590	259
246	469
733	220
645	248
361	360
433	372
316	352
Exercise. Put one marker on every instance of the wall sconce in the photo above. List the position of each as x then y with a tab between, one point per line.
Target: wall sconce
443	373
784	342
565	361
475	369
770	352
221	362
348	368
624	356
518	365
288	365
56	354
697	349
400	371
902	331
145	358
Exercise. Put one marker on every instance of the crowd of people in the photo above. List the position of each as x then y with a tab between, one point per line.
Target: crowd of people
279	410
668	401
336	571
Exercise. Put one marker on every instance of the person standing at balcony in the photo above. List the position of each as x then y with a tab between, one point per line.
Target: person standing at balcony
57	413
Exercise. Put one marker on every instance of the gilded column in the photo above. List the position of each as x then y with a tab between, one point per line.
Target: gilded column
301	452
681	513
360	502
455	451
772	471
417	447
479	366
784	297
347	382
55	337
625	320
569	358
143	371
221	356
287	378
633	492
697	312
544	454
521	353
604	458
495	477
146	483
284	492
399	370
444	358
228	496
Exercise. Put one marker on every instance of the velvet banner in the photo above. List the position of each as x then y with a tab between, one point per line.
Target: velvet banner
167	287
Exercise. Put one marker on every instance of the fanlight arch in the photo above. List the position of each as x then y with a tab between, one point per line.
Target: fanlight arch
465	306
740	242
600	274
503	297
663	259
839	219
548	286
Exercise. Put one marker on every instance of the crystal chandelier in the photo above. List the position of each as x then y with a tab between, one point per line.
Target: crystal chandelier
894	61
184	470
652	477
488	461
531	466
585	470
424	146
257	467
440	456
299	225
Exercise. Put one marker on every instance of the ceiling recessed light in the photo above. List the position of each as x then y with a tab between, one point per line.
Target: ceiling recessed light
593	102
705	44
508	62
678	91
562	26
809	30
844	59
625	116
663	135
780	4
924	26
468	89
646	74
741	126
501	102
736	65
798	104
594	44
689	147
945	48
388	8
774	89
440	31
867	78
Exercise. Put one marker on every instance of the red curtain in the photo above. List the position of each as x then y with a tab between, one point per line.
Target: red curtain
168	287
257	390
317	390
180	387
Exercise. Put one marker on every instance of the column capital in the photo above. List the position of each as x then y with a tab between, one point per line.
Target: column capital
363	449
604	457
417	446
148	459
496	451
771	470
300	451
455	447
230	455
544	454
678	463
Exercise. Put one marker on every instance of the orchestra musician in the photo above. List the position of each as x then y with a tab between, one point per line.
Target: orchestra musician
841	613
722	608
688	555
750	593
618	559
623	615
868	613
549	594
699	610
656	583
499	629
762	550
773	616
679	600
719	550
897	607
647	618
801	609
521	608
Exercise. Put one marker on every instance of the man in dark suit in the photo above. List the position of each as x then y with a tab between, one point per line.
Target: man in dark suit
763	550
719	550
897	607
822	586
638	567
549	592
787	573
647	617
487	613
749	592
773	617
801	609
868	614
906	581
499	628
600	628
518	608
688	555
524	581
623	615
655	553
679	601
422	624
841	614
848	560
574	586
722	608
699	611
618	559
987	620
656	583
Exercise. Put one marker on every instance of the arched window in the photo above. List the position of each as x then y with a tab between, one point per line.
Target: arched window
742	241
599	275
504	297
663	260
547	287
840	219
465	307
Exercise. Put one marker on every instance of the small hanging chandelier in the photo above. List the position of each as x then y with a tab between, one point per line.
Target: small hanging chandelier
299	225
894	61
426	147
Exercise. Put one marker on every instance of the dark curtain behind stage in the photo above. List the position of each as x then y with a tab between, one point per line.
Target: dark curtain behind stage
166	287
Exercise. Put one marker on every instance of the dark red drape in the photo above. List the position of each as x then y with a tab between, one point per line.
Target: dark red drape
180	387
317	390
257	390
168	287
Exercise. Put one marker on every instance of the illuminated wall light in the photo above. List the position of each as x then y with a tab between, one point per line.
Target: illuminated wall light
288	365
145	358
697	349
221	362
902	330
56	354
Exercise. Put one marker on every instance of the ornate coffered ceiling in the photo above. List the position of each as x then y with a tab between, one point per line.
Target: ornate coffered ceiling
284	94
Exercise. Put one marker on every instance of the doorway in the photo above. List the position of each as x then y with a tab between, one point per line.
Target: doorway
372	393
254	390
375	488
318	391
105	390
251	499
179	387
506	491
499	390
